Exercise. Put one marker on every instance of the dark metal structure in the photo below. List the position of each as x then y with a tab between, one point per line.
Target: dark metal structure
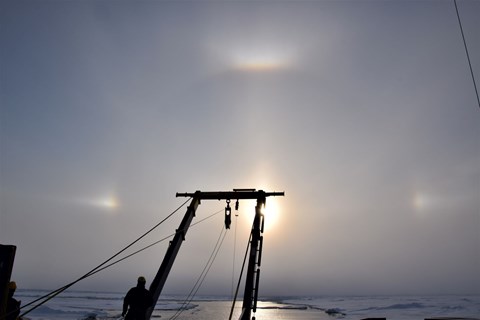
7	257
253	269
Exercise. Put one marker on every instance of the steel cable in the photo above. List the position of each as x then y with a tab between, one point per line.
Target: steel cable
98	268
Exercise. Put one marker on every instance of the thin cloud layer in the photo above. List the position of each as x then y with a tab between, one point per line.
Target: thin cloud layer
363	112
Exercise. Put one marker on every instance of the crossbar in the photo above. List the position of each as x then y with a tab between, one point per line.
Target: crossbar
236	194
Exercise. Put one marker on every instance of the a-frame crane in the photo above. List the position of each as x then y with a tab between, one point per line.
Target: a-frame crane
253	271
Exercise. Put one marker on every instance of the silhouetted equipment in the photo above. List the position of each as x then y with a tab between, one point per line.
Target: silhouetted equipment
7	257
228	215
253	270
159	281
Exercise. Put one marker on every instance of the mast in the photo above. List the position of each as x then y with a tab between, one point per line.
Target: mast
253	271
158	282
250	295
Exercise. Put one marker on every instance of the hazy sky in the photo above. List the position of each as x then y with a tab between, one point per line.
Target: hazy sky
363	112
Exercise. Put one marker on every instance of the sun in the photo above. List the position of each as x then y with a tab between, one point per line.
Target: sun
271	214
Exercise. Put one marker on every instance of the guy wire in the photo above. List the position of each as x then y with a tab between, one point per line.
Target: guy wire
466	51
56	292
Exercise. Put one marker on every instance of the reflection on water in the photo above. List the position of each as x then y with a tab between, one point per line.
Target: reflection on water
213	310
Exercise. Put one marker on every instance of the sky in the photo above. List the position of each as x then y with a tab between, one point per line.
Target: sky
363	112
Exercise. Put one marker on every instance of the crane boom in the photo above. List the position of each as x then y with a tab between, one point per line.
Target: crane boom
253	270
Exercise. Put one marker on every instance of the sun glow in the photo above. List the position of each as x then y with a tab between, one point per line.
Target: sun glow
109	203
259	60
271	214
257	65
421	201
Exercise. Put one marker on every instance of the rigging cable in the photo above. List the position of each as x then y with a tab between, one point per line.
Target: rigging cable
240	276
151	245
466	51
203	274
121	259
201	278
115	262
98	268
234	253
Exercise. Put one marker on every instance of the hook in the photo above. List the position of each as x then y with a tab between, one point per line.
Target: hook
228	215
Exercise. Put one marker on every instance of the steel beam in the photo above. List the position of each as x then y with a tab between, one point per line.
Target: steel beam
237	194
158	282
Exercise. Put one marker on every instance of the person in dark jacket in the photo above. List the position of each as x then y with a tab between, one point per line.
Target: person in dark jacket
137	301
13	306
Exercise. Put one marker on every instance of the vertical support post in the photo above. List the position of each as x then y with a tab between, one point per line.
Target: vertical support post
253	271
158	282
7	257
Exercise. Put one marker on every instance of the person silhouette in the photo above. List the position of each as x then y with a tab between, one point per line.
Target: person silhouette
137	301
13	306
